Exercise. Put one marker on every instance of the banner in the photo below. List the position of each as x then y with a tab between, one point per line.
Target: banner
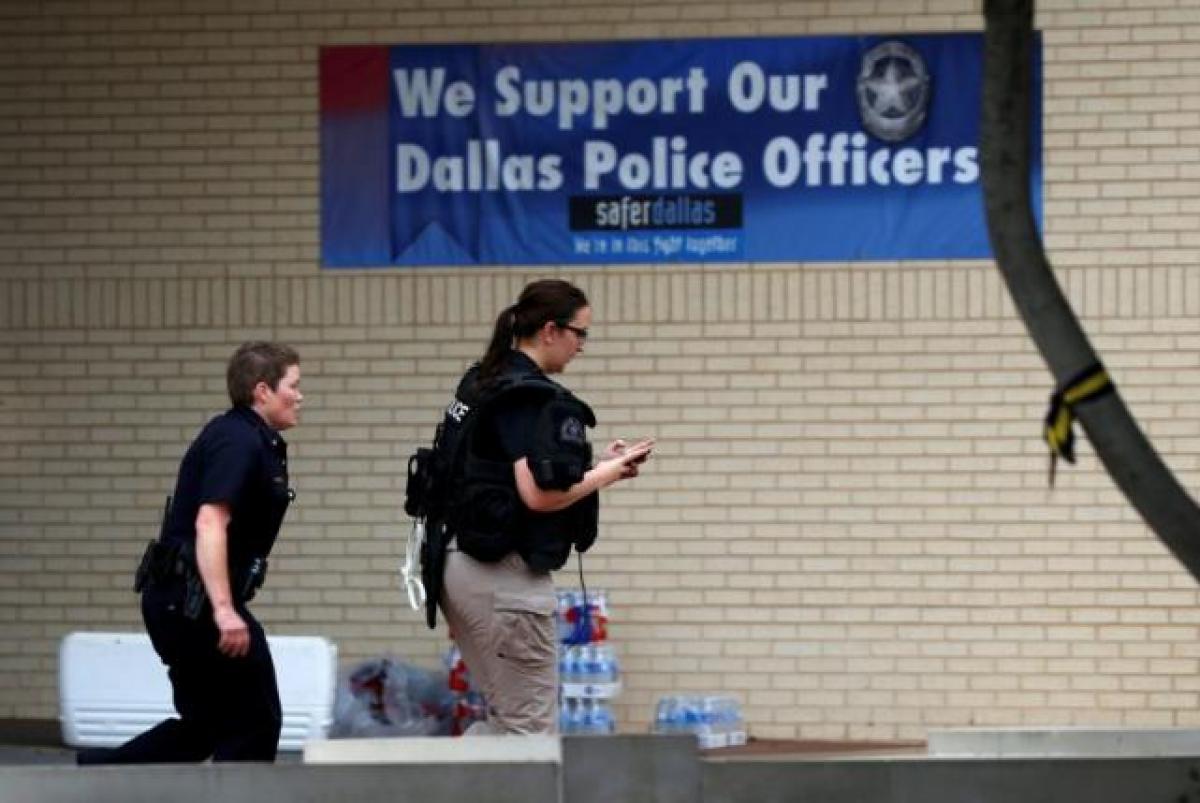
799	149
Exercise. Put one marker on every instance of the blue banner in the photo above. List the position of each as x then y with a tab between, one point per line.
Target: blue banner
779	149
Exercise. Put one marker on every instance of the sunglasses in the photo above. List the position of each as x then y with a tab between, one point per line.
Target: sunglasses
579	333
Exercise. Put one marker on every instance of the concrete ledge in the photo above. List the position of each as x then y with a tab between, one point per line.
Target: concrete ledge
928	780
466	750
574	769
645	769
631	769
1058	741
296	783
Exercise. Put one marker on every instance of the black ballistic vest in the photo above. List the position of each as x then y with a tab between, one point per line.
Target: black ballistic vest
469	496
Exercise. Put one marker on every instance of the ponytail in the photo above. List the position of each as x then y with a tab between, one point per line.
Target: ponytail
500	345
541	301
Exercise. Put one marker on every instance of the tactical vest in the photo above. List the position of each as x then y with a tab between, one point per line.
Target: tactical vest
464	495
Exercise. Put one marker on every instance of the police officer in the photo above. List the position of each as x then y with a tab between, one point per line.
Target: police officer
500	609
229	501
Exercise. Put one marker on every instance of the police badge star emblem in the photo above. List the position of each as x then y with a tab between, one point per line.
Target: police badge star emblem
571	430
893	90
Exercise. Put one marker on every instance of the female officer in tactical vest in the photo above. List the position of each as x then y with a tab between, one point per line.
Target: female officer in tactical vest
498	597
230	498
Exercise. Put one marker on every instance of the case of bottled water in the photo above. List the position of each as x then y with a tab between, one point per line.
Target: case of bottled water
715	720
589	672
586	716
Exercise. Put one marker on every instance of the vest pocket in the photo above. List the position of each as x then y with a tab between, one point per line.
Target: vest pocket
483	521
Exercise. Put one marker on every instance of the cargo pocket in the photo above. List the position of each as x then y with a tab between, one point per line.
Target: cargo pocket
526	659
525	627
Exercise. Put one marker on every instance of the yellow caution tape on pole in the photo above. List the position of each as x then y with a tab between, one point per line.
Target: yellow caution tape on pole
1059	430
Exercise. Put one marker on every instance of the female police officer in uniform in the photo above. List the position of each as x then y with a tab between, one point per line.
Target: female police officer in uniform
500	611
230	499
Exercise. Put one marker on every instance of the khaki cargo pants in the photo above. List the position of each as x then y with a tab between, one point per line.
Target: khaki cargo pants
502	617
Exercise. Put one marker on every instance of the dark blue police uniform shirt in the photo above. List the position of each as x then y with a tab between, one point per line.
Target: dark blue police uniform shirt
239	460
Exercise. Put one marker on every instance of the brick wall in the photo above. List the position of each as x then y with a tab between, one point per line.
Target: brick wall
847	523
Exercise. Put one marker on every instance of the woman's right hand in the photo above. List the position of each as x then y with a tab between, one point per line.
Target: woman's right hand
234	636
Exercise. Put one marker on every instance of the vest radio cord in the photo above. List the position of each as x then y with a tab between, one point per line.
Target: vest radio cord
581	628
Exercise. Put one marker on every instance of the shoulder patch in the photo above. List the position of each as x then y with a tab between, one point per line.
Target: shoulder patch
572	431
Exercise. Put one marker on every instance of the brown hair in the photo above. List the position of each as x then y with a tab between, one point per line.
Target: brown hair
541	301
254	362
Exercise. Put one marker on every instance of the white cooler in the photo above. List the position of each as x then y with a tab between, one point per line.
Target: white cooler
113	686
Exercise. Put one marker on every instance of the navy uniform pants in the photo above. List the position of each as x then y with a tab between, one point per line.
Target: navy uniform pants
228	707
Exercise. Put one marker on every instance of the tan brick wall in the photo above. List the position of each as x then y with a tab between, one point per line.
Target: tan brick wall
847	524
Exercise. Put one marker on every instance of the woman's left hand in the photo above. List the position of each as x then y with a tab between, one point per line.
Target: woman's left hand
614	449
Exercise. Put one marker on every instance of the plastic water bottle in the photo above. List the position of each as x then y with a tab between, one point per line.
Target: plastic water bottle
564	665
577	663
691	713
603	664
679	718
582	720
599	611
568	617
602	720
737	723
711	732
666	715
593	665
566	712
610	664
589	715
585	622
579	618
562	618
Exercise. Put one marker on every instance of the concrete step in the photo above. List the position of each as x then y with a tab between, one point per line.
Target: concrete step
1063	741
570	769
467	750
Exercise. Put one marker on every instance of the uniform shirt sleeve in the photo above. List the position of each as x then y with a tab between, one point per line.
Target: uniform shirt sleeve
229	458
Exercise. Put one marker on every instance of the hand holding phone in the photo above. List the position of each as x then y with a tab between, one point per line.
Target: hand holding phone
642	448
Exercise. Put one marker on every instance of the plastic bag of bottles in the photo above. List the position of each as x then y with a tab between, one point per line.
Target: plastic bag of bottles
580	619
469	705
384	697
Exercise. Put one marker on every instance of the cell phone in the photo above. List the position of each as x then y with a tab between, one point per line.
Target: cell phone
643	458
